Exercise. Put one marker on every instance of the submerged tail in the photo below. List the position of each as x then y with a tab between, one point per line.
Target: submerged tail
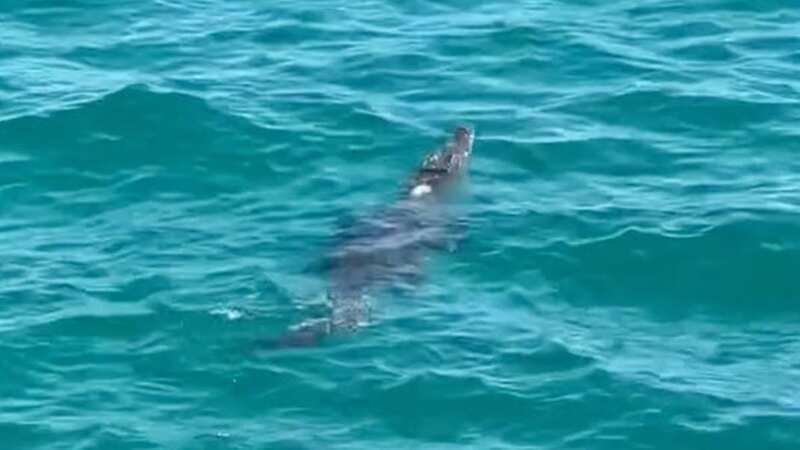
305	335
346	316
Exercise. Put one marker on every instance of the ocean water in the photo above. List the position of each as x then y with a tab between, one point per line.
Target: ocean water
628	279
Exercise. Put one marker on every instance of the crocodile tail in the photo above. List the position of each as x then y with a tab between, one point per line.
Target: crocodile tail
306	335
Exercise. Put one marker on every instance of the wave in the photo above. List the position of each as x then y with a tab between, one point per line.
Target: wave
130	126
737	271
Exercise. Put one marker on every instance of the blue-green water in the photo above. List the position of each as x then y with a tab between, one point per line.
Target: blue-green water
170	169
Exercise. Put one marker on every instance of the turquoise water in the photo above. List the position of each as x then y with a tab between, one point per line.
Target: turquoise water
170	169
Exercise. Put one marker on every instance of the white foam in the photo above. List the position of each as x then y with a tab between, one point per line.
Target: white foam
229	313
421	190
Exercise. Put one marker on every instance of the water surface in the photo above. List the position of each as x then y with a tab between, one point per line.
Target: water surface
169	169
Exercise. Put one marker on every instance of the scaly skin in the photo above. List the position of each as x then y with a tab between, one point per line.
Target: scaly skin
387	247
